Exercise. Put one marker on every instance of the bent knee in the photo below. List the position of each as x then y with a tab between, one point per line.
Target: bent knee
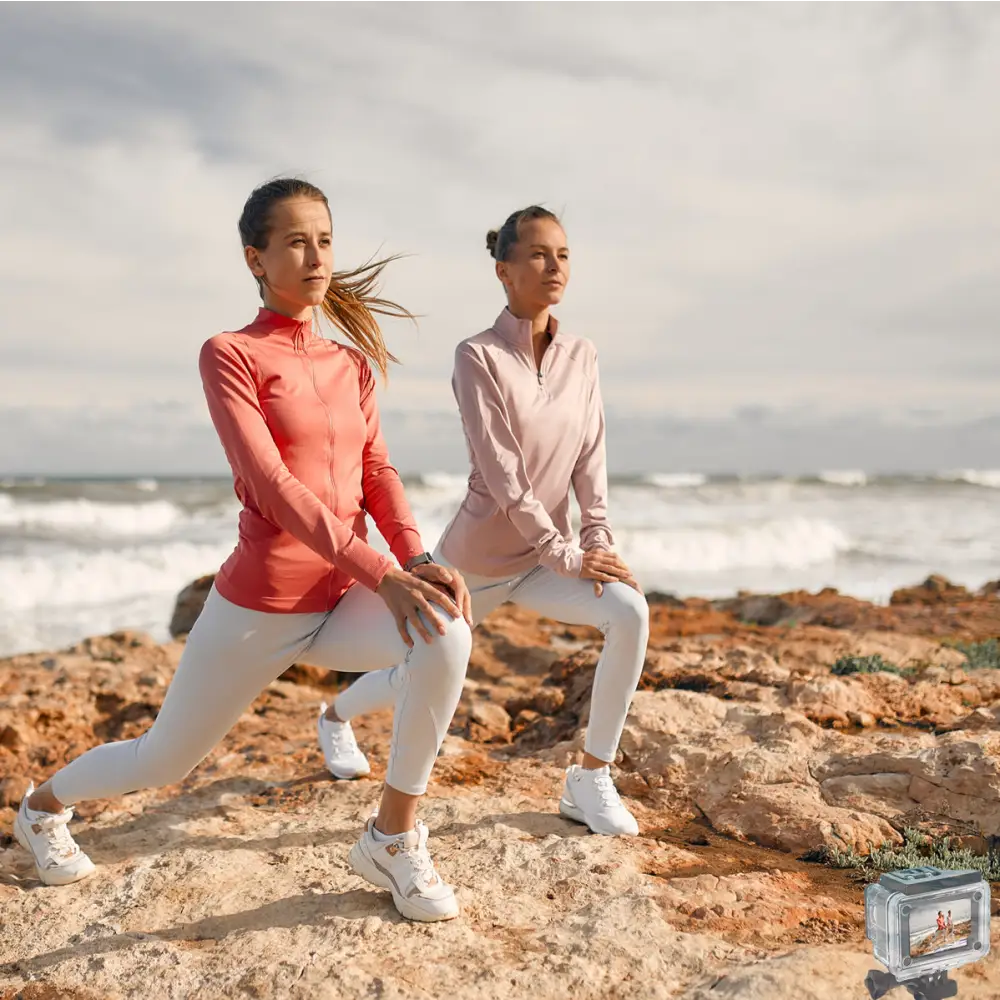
457	640
160	774
170	772
450	652
158	768
629	609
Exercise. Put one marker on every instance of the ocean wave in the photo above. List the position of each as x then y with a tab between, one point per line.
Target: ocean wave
844	477
79	517
975	477
74	578
788	543
675	480
442	481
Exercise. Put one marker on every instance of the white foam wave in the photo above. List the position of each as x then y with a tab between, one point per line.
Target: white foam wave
675	480
77	517
75	578
147	485
976	477
792	543
76	567
443	481
844	477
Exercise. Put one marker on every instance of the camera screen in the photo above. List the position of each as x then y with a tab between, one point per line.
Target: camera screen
940	927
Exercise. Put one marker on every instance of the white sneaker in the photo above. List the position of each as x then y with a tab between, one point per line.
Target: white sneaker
343	757
403	865
590	797
58	859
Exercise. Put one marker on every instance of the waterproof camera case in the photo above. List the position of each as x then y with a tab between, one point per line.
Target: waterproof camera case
928	920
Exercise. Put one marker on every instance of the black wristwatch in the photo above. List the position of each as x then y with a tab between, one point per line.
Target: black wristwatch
424	557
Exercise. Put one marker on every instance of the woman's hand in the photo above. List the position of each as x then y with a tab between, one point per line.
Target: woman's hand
450	580
407	595
603	566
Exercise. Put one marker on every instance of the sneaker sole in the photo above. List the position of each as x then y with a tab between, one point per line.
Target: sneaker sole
54	877
371	873
348	775
573	812
570	811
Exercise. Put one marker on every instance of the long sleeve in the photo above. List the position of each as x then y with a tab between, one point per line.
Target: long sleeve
385	498
590	475
498	457
254	457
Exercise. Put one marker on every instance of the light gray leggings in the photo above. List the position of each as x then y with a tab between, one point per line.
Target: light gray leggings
620	613
233	653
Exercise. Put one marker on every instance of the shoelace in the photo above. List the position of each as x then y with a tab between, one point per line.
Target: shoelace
422	865
59	842
609	794
343	738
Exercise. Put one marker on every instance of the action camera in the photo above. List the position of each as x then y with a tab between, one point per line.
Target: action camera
927	920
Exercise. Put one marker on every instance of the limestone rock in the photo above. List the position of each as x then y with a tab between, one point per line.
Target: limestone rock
12	789
188	606
741	755
488	722
935	589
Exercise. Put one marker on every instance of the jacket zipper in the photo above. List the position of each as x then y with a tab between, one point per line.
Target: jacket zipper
329	450
548	351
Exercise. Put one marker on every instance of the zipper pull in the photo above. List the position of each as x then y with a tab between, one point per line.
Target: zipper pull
539	377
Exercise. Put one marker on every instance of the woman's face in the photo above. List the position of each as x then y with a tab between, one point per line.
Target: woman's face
297	264
537	269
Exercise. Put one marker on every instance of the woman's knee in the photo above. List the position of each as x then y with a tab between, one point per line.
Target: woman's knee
161	773
627	608
457	641
159	768
450	652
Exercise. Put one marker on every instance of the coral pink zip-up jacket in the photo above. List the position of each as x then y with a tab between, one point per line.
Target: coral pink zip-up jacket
531	435
298	421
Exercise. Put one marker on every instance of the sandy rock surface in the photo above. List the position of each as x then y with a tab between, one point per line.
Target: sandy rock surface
743	754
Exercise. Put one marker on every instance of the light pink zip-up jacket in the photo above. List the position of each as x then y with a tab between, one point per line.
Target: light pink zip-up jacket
531	436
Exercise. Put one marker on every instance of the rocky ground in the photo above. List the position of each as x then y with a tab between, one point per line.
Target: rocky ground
746	753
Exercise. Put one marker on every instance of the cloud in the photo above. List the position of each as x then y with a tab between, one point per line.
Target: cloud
104	79
766	208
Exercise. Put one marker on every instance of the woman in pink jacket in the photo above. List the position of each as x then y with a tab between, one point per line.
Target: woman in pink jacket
531	408
297	418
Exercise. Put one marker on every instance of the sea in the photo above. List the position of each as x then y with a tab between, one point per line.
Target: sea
81	557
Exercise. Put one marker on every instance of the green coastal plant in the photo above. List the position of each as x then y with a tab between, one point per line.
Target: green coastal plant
917	849
983	655
867	665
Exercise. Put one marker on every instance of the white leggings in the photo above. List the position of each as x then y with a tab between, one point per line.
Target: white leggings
620	613
233	653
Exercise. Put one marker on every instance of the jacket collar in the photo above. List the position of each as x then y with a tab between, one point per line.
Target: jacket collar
298	331
518	331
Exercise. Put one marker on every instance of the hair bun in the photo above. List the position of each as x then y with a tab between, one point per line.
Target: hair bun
491	241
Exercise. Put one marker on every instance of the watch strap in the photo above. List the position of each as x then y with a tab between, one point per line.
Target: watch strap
420	560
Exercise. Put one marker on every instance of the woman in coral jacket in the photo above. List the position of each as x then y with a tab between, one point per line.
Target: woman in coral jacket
297	418
530	401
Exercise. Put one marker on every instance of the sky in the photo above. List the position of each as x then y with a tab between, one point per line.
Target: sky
784	219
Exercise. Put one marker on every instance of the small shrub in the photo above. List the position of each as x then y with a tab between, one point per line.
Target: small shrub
867	665
917	849
983	655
